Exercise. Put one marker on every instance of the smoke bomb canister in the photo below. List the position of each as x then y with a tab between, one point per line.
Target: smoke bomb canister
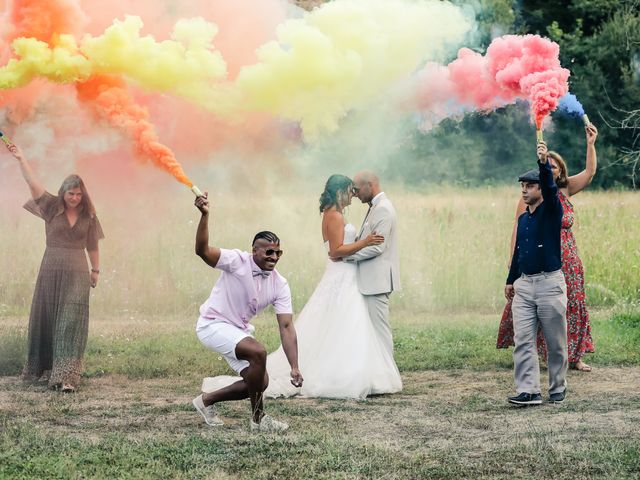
539	136
197	192
585	119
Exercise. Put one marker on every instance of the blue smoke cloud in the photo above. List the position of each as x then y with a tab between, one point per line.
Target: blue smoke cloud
569	105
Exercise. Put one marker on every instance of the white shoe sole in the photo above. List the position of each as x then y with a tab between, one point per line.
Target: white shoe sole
532	402
204	416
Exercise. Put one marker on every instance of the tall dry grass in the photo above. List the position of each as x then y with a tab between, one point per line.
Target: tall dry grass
453	244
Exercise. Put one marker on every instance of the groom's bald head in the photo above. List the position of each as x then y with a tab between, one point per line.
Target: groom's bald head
366	185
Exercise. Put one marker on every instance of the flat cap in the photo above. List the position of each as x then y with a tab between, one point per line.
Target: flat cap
532	176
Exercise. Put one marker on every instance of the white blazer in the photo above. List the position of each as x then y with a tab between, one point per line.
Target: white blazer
378	265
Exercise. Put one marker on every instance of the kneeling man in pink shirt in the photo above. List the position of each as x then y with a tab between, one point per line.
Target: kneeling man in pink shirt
249	283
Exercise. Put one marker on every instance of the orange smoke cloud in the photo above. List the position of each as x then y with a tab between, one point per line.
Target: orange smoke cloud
44	19
109	98
111	101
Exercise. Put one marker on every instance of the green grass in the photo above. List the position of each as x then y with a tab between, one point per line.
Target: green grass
13	344
321	453
168	346
132	417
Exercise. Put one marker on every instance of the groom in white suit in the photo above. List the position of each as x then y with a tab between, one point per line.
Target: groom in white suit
378	265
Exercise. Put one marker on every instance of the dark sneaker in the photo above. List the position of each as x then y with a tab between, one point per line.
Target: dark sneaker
557	397
526	399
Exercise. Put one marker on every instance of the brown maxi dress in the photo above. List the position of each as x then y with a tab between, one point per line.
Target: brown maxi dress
59	319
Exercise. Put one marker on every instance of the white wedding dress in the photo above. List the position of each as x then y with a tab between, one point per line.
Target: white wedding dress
339	353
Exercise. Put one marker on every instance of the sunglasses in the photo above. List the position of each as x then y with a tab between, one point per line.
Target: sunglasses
355	190
271	251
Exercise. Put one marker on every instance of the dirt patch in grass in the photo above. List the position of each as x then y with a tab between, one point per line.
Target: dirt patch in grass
445	424
434	406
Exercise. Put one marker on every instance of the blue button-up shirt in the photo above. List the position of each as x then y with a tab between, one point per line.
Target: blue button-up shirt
538	236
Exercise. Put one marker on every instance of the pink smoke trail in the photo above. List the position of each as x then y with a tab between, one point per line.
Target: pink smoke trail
514	68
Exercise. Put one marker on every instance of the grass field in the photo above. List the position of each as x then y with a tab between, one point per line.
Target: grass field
454	246
132	416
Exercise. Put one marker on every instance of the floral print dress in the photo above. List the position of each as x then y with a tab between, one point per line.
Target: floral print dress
579	340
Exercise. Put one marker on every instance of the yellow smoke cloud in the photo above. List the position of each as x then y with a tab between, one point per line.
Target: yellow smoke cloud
60	63
346	54
187	65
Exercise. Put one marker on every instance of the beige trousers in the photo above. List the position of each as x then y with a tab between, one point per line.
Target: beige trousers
540	300
378	306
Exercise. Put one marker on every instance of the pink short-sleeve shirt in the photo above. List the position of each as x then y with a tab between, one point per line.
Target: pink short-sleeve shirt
238	295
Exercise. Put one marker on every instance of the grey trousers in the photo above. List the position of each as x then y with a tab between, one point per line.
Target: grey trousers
378	306
540	299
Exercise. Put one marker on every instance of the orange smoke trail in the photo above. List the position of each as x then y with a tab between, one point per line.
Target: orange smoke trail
111	101
108	96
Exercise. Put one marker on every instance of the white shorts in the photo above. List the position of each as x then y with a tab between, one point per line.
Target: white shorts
222	337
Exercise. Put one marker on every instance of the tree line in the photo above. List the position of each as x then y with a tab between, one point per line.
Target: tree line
600	44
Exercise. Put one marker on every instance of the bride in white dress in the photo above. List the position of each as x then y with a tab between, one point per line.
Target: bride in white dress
340	354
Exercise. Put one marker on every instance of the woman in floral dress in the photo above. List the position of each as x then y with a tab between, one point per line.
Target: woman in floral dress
579	339
59	318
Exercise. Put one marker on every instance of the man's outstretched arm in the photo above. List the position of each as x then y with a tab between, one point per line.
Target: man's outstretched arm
209	254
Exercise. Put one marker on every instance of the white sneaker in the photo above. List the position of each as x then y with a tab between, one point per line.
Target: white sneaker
268	424
208	413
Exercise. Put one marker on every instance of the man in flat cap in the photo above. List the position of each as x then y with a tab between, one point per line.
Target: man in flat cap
537	285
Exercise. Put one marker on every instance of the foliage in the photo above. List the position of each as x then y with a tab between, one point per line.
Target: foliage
423	341
600	44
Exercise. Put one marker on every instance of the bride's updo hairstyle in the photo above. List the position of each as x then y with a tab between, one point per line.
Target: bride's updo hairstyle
335	191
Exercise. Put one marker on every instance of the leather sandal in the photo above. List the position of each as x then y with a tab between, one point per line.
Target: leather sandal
67	388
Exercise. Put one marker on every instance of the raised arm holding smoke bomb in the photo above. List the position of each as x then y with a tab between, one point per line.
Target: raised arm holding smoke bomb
568	185
59	317
577	183
579	339
249	283
27	172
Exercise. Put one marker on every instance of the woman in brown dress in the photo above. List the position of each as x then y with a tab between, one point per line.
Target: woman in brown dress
579	339
59	319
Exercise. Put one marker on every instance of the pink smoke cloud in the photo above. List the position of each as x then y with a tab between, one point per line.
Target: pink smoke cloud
513	68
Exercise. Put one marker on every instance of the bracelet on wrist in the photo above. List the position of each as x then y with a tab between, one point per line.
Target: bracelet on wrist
95	270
